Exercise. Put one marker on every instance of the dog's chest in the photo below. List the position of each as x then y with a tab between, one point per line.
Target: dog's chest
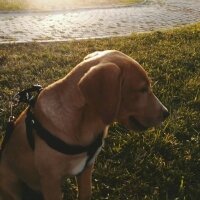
80	164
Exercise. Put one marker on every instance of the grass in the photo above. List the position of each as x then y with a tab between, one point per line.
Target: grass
161	163
12	5
58	4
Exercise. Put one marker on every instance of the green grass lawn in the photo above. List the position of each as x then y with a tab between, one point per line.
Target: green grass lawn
161	163
58	4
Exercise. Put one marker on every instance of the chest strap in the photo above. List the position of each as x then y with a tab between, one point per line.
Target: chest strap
57	144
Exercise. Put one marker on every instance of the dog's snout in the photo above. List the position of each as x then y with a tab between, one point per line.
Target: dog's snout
165	113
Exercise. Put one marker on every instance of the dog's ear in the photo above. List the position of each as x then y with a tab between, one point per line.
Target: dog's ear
101	89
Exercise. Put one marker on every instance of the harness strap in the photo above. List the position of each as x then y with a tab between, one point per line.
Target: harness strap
29	129
56	143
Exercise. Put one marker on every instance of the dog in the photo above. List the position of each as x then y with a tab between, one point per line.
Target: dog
106	86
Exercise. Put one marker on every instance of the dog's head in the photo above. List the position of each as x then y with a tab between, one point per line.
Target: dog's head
121	91
139	107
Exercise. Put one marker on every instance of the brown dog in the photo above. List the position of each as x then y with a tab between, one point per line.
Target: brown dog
107	86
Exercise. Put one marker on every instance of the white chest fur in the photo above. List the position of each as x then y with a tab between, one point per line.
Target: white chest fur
80	164
95	155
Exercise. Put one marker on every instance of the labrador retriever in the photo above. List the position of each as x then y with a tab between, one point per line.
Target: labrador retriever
106	86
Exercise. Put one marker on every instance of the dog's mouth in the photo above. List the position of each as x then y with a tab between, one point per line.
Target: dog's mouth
136	124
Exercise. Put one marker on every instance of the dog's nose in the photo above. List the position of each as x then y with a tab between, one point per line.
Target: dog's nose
165	113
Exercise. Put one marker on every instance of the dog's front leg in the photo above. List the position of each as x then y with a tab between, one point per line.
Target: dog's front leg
84	181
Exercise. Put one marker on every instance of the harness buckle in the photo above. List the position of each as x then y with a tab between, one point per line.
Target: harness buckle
26	95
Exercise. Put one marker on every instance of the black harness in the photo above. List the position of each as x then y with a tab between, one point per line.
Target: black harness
51	140
56	143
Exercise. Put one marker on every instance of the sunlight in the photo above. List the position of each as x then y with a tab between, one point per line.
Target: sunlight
68	4
51	4
62	4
